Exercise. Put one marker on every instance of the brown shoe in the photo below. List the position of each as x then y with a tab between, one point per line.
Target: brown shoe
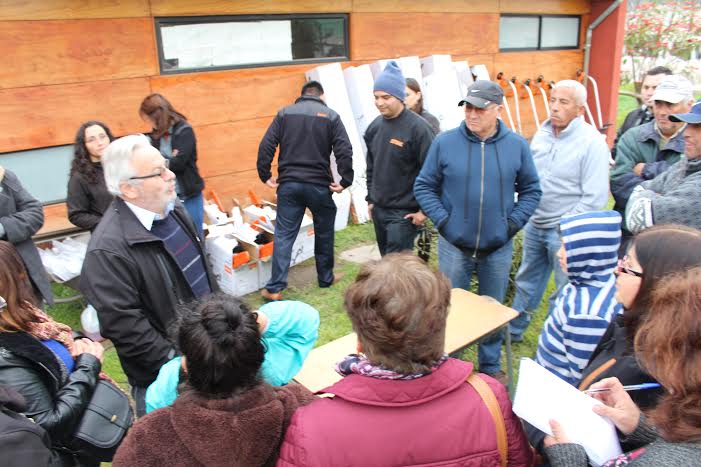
270	296
500	376
337	277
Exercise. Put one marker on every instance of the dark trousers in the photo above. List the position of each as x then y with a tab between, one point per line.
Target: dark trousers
392	231
292	199
139	396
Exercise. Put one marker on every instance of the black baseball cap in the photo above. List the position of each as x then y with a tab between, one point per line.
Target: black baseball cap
482	93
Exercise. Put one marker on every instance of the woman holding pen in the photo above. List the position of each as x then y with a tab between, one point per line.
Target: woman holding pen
667	345
655	254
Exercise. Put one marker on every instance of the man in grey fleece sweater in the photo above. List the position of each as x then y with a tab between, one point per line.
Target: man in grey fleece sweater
571	157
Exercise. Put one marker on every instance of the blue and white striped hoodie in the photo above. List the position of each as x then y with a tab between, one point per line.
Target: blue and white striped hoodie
586	305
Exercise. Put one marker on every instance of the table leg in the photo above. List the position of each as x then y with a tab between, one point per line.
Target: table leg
509	361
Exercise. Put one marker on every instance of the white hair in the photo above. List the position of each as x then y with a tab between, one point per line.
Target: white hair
580	92
116	161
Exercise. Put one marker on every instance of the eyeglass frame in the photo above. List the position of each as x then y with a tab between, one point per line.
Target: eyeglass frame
162	170
620	268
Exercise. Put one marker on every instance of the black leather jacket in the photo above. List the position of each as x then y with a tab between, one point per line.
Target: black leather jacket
55	400
135	285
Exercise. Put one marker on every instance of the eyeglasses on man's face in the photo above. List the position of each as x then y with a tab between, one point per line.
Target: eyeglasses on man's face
160	172
622	268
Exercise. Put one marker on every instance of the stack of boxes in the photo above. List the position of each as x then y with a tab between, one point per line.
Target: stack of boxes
250	268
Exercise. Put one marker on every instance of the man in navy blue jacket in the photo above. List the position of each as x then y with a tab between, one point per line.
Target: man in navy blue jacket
307	132
467	187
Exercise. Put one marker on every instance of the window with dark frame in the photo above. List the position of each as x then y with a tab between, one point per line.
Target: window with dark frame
538	32
204	43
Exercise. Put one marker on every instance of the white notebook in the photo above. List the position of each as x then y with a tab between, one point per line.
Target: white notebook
542	396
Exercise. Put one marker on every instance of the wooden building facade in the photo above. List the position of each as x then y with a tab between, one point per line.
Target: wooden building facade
68	61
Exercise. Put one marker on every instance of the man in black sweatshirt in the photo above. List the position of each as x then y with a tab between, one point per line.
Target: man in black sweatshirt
397	143
307	132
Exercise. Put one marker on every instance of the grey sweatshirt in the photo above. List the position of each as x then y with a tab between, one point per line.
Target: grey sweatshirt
657	453
573	169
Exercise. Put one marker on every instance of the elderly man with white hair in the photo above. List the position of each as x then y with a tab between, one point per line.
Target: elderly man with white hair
144	258
572	160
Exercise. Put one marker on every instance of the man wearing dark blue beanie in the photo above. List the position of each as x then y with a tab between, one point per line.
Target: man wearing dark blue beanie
397	142
391	81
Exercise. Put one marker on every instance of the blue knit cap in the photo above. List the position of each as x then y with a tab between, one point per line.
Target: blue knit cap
391	81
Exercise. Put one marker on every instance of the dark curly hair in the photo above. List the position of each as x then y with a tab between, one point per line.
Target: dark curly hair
221	341
81	159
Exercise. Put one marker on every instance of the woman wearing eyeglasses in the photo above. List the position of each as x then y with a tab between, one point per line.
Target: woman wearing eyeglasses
655	254
88	197
173	136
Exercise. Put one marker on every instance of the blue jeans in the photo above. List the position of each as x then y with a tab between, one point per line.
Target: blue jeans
195	207
392	231
493	279
292	199
539	260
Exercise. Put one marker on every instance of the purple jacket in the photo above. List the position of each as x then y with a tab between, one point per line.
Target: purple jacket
434	420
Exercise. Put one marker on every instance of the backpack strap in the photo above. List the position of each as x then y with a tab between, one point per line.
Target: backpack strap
586	382
490	400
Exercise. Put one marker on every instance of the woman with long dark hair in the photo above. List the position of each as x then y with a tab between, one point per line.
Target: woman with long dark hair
173	136
88	197
654	255
415	102
39	359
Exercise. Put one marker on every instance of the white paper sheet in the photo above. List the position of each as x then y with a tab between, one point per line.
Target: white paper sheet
542	396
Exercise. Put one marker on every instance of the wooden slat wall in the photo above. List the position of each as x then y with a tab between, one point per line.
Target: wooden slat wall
42	116
75	51
246	7
442	33
73	60
34	10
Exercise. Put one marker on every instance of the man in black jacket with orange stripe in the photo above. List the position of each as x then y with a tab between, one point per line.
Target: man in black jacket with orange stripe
307	132
398	141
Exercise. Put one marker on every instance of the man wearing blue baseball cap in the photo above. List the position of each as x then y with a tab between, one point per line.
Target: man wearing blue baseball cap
673	197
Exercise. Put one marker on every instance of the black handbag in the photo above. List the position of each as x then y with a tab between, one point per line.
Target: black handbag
105	423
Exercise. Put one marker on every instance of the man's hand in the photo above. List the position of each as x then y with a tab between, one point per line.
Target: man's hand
272	182
638	169
336	187
370	211
417	218
619	407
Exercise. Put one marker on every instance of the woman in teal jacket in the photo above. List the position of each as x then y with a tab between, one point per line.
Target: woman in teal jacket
289	331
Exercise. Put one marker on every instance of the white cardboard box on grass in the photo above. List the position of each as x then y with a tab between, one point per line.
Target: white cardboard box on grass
234	281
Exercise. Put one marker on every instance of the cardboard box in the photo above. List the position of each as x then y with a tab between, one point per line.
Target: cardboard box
237	274
265	272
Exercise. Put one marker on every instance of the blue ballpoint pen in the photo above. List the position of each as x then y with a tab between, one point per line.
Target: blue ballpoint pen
631	387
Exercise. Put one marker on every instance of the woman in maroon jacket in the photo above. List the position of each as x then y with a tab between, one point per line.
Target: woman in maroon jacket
402	401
